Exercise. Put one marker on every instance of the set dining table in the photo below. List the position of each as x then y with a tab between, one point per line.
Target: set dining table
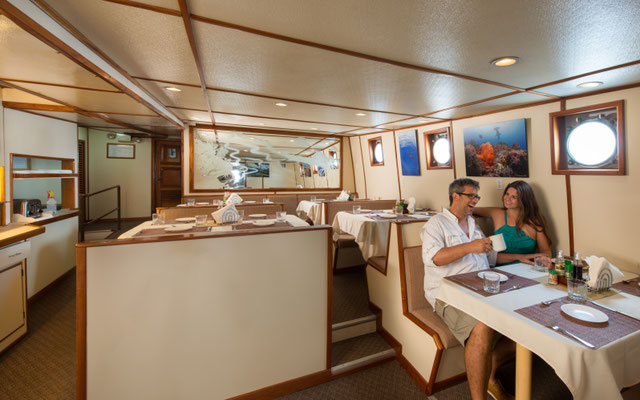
613	329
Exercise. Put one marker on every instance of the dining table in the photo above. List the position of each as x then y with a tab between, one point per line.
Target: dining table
187	226
370	228
520	315
310	209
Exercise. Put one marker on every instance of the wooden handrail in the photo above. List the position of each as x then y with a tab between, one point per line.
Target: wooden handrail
83	222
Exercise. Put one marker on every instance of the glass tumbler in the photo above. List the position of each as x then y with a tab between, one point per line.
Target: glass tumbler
356	209
191	202
577	289
491	282
281	216
541	263
201	220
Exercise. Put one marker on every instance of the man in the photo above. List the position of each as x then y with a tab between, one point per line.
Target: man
452	244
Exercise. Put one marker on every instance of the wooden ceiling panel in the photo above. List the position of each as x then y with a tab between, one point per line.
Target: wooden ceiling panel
516	100
553	39
144	43
247	62
15	95
90	100
23	57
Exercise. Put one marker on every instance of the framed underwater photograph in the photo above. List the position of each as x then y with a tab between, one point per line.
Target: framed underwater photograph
498	150
408	144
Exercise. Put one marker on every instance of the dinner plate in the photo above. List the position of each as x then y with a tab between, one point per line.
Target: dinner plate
249	201
202	204
503	277
257	215
263	223
363	210
386	215
584	313
182	205
177	228
186	219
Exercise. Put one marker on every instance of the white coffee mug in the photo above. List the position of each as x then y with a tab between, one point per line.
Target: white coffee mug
497	241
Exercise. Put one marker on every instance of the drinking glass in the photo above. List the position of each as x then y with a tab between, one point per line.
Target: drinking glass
281	216
313	199
541	263
154	219
201	220
159	219
240	216
266	200
356	209
577	289
191	202
398	210
491	282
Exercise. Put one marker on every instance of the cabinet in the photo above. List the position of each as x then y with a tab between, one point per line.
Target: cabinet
13	293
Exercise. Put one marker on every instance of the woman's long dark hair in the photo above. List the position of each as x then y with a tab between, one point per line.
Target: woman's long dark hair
528	207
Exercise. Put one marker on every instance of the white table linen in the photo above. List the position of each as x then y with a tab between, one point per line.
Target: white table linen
311	210
589	374
371	235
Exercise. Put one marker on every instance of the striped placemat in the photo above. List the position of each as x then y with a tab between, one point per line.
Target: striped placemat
472	279
631	287
598	334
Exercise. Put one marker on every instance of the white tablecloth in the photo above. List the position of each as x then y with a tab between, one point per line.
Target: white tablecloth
371	235
311	210
589	374
292	219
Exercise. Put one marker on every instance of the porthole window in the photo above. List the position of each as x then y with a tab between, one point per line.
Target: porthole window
438	148
588	140
591	143
376	155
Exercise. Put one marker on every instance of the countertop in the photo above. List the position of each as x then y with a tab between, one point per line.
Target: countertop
10	235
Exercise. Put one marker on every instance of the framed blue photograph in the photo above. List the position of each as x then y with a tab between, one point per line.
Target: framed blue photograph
408	143
498	150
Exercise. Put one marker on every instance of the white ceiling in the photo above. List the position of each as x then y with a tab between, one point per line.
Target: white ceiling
401	63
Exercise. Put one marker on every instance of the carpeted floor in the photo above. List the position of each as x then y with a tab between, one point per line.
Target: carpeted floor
42	364
350	296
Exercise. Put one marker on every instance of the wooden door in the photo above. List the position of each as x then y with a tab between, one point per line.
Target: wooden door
167	173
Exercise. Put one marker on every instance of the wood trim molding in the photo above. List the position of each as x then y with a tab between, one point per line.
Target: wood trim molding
329	296
186	18
26	235
60	217
395	149
81	323
453	153
218	127
61	85
364	174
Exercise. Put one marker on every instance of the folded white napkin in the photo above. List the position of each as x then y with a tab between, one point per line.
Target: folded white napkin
411	205
602	273
225	215
234	198
344	196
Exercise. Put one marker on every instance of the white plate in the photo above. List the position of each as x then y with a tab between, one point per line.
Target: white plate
186	219
202	204
386	215
249	201
177	228
257	215
363	210
263	223
182	205
584	313
503	277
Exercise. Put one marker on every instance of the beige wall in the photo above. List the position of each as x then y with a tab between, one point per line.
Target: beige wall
133	176
604	212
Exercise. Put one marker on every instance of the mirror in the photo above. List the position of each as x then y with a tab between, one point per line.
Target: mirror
225	160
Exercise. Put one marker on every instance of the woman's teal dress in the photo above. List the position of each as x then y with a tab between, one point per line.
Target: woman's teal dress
516	240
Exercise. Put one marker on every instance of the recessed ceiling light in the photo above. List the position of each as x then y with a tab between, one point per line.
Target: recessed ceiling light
260	123
505	61
291	140
361	114
245	150
314	129
423	120
281	104
589	85
173	89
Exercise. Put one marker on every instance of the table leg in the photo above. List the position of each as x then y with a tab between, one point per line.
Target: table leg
523	373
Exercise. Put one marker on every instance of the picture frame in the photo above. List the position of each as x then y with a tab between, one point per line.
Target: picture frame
408	147
123	151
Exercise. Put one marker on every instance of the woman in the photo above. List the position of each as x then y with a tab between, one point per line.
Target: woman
520	222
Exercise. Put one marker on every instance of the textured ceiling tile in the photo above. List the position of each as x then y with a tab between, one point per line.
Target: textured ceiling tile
145	43
610	79
516	100
277	124
189	97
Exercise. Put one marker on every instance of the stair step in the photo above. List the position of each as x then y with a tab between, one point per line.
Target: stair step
353	328
357	352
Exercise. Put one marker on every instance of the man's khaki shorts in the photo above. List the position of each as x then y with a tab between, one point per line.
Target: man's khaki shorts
458	322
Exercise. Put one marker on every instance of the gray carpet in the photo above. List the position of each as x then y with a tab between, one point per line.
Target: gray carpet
358	347
42	364
350	295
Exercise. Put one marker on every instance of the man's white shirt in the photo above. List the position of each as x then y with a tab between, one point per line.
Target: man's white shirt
443	231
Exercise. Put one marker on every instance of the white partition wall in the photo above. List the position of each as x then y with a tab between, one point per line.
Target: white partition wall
211	317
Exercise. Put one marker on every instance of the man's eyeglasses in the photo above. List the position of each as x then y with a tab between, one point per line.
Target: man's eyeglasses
472	196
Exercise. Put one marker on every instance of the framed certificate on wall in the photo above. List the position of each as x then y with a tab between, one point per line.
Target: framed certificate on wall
121	150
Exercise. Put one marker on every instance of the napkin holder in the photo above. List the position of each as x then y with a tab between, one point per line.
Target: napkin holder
226	216
603	281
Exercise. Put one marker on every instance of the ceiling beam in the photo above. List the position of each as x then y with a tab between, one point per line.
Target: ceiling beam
61	85
41	21
186	19
91	114
260	130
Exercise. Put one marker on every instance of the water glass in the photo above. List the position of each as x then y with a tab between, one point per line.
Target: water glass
191	202
201	220
313	199
541	263
491	282
356	209
399	210
577	289
154	219
281	216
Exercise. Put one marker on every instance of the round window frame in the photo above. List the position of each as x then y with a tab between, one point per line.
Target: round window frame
434	147
612	129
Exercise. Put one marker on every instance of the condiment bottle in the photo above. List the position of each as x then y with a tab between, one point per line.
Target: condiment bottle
577	266
553	277
559	263
568	269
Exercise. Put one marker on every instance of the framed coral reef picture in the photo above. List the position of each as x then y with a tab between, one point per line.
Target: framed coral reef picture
497	150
